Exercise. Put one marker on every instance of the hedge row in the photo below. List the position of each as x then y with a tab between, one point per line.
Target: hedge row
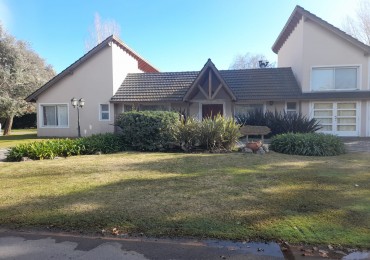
49	149
311	144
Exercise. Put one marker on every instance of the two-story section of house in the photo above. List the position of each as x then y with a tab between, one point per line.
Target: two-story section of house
333	71
95	77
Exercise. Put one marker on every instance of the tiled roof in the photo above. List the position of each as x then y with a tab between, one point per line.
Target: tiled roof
163	86
249	84
262	84
297	15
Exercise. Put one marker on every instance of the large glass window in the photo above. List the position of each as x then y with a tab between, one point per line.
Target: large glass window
244	109
54	115
153	107
338	78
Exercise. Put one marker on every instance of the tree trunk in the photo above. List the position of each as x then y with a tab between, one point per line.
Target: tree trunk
8	125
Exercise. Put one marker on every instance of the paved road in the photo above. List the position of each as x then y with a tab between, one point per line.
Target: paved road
32	246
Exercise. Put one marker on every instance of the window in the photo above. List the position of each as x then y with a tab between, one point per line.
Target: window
246	108
154	108
54	115
339	78
127	108
291	107
104	112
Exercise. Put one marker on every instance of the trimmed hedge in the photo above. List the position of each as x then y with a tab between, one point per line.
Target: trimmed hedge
105	143
309	144
148	130
279	123
49	149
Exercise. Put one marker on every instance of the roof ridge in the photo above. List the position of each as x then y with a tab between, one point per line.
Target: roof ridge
297	15
81	60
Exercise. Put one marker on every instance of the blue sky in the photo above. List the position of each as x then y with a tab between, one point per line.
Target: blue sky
174	35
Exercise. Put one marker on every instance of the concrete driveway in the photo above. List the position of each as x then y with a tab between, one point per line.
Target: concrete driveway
357	144
32	246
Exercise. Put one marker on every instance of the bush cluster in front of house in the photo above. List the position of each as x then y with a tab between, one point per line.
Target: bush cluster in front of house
161	131
49	149
148	130
279	122
309	144
217	134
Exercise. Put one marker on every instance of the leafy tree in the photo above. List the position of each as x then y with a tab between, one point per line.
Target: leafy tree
22	71
250	61
359	26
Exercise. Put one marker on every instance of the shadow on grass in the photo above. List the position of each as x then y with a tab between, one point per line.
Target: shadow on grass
211	196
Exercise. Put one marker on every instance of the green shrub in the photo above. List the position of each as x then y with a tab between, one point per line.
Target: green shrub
148	130
279	123
218	133
187	133
310	144
48	149
105	143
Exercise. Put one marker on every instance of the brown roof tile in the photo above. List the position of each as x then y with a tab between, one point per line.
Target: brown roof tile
249	84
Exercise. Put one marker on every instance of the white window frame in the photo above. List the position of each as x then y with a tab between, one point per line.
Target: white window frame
100	112
358	81
41	115
290	110
358	114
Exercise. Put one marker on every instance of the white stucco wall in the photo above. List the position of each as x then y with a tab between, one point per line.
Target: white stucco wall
321	47
291	53
311	45
96	80
123	63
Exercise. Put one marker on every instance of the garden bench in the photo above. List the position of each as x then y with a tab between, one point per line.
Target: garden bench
254	130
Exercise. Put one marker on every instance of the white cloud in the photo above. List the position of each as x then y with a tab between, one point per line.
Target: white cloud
5	15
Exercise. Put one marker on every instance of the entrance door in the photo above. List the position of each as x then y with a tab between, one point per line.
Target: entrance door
339	118
212	110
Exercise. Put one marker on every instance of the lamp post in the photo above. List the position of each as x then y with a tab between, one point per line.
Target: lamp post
79	104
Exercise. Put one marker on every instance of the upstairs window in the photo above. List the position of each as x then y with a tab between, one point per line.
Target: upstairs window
337	78
104	112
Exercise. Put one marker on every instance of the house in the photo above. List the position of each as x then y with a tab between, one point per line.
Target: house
322	72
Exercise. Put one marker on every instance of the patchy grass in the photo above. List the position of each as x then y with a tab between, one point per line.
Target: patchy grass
229	196
19	136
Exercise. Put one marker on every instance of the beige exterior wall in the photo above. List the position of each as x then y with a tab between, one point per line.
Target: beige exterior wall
123	64
311	45
95	80
324	48
291	53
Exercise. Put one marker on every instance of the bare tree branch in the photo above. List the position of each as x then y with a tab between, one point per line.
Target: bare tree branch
100	31
359	26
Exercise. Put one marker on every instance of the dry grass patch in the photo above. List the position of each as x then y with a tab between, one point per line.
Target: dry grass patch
232	196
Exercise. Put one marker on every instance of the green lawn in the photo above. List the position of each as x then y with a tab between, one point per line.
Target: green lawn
19	136
230	196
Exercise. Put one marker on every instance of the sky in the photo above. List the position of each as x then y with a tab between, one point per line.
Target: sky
173	35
